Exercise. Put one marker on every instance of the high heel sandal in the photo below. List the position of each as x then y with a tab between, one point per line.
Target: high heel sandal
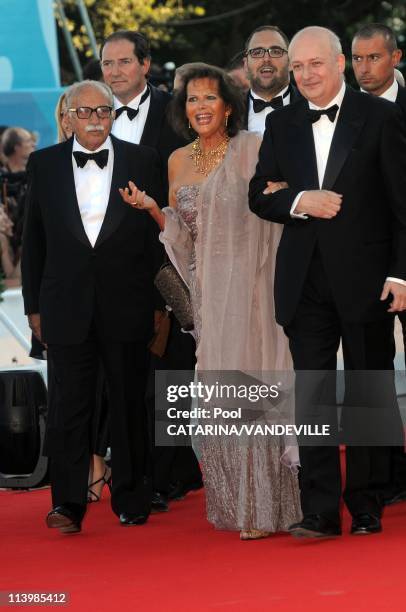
92	496
253	534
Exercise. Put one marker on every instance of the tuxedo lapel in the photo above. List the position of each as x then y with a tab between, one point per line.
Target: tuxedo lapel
152	127
303	156
69	202
401	100
116	208
349	125
294	94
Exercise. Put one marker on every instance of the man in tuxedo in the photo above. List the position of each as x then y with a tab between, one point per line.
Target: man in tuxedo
340	271
141	118
267	66
375	55
88	266
140	107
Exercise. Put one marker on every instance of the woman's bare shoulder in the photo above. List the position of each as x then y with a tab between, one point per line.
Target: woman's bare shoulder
179	155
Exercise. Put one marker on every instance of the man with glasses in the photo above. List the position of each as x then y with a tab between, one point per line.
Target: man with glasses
267	66
88	266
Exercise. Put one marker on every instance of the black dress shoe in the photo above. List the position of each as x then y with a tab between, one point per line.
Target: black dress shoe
365	524
159	502
133	519
395	498
66	518
178	490
315	526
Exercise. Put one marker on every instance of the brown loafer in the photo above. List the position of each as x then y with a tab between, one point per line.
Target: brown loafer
64	519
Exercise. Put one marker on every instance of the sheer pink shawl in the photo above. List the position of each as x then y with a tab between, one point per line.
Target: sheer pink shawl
235	264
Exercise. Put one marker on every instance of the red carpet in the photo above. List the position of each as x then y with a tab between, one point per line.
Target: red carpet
178	562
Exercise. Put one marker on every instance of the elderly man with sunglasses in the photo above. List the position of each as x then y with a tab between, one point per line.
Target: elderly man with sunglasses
267	65
88	266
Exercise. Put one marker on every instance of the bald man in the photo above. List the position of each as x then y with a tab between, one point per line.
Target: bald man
340	273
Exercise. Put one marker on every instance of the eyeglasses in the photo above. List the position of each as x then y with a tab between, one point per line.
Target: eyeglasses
259	52
85	112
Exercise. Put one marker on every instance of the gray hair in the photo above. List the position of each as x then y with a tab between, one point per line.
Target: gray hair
334	41
74	90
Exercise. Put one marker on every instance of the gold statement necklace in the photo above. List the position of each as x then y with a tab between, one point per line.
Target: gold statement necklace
206	161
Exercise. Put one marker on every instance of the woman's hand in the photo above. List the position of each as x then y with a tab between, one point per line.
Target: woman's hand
274	186
136	198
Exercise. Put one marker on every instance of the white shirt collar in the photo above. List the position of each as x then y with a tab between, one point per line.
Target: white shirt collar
337	100
134	103
107	144
392	92
281	93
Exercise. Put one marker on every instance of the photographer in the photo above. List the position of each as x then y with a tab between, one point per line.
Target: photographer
17	145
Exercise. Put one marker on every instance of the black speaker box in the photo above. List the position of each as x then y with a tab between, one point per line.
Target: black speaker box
23	409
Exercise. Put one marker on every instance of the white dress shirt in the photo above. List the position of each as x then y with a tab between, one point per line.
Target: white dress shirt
256	121
93	186
323	132
131	130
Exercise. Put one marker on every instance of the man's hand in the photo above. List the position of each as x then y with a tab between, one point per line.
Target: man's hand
398	292
321	204
34	321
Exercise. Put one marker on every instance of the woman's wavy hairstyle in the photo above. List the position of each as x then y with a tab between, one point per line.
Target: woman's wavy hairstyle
229	92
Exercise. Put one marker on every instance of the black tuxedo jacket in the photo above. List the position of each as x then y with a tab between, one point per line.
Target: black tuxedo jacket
66	280
159	134
366	241
294	95
401	100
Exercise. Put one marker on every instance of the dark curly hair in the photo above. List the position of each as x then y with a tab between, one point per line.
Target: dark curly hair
229	93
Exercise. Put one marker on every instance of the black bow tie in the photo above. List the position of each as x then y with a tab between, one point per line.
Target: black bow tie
132	112
100	158
314	115
259	105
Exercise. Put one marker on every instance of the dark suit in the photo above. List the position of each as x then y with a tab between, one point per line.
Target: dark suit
330	274
401	99
294	95
159	134
93	301
171	464
398	459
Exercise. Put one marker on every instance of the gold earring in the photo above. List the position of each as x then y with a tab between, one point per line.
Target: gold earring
226	120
